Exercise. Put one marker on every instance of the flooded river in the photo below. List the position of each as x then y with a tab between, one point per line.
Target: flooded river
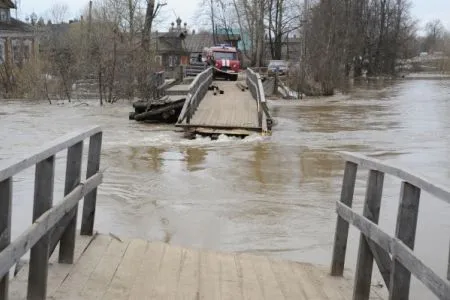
273	195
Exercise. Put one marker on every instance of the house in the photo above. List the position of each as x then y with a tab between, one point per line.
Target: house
18	41
169	46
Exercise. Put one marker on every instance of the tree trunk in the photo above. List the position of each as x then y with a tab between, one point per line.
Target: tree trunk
146	33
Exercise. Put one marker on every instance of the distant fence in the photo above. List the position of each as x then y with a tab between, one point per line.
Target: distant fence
51	224
374	243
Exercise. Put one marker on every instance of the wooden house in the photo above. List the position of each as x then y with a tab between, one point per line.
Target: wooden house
17	39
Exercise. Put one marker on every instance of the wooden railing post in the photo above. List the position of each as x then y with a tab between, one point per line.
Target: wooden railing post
406	232
43	201
341	234
5	228
371	211
93	166
448	268
73	178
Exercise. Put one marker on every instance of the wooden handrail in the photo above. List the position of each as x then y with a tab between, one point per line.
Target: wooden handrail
257	90
51	224
393	255
197	91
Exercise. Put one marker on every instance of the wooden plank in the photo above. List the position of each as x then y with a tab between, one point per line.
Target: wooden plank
341	234
148	271
59	229
189	284
230	282
367	227
126	273
383	261
268	282
427	185
166	283
73	178
57	273
72	286
290	283
209	276
90	200
43	200
403	254
99	280
251	288
15	165
5	228
372	203
408	212
11	254
439	286
311	287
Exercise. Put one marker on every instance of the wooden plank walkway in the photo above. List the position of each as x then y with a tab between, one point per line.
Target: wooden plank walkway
107	267
232	110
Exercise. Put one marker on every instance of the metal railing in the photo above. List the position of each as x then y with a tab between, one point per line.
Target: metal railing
52	224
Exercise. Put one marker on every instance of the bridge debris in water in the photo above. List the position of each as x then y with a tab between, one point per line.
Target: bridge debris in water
225	107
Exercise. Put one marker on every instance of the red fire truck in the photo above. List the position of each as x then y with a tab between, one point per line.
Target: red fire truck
225	61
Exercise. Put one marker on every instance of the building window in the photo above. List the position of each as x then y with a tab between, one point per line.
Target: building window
4	14
26	50
16	55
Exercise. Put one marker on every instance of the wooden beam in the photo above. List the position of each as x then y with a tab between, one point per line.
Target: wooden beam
14	166
427	185
59	229
363	276
448	268
408	212
5	228
11	254
341	234
73	178
383	260
440	287
90	200
43	200
403	254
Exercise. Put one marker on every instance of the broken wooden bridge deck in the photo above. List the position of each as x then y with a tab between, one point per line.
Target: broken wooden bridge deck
109	267
233	111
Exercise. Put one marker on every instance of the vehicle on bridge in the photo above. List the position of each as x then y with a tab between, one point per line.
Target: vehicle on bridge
225	60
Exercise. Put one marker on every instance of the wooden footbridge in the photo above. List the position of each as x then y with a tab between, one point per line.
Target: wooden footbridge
66	265
225	107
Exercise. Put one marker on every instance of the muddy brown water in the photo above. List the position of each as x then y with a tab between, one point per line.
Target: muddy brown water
273	195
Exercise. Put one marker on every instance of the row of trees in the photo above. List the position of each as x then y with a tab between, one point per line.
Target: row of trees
111	47
340	38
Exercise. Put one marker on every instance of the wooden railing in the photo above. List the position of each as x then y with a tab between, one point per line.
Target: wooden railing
197	91
51	224
256	88
393	255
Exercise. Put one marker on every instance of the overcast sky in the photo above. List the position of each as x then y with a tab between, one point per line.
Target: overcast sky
187	10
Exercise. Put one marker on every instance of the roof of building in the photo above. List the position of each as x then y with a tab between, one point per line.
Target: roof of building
7	4
197	42
16	26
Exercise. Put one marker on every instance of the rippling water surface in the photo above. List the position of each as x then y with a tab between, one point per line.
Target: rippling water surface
270	195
